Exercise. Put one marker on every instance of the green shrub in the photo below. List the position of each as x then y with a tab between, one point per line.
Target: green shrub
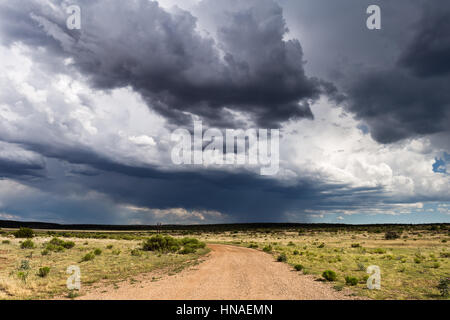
356	245
43	272
361	266
22	276
295	252
88	256
24	233
69	244
109	246
321	245
329	275
379	251
443	286
351	281
136	252
298	267
282	258
161	243
267	248
6	242
27	244
291	244
253	246
116	252
391	235
97	251
44	252
187	249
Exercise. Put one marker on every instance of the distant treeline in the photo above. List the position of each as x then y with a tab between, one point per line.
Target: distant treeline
226	227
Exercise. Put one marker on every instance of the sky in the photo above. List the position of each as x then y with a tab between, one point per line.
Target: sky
87	115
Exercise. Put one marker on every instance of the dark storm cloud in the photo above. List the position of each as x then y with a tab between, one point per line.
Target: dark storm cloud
411	97
162	55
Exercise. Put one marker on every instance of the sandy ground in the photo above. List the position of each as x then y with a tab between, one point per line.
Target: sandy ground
228	272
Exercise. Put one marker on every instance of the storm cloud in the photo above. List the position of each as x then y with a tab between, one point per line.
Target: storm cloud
247	67
409	98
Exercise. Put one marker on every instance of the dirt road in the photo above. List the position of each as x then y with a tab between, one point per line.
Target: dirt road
228	272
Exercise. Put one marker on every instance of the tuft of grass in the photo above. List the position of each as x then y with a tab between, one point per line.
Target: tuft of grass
43	272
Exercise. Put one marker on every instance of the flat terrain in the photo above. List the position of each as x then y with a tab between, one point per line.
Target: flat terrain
228	272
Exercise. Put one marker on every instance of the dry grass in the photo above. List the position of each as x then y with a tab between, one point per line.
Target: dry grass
113	264
410	267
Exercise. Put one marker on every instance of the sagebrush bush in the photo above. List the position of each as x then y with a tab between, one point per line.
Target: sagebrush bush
351	281
27	244
109	246
24	233
329	275
161	243
24	265
267	248
43	272
253	246
97	251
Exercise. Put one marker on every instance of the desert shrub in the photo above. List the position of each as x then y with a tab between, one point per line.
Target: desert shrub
69	244
116	252
58	245
291	244
192	243
24	233
445	254
361	266
282	258
88	257
443	286
364	278
329	275
253	246
187	249
267	248
6	242
97	251
356	245
351	281
436	265
44	252
298	267
136	252
295	252
391	235
321	245
43	272
24	265
109	246
27	244
161	243
379	250
444	240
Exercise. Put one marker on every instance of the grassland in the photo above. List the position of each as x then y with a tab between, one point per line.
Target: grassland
117	259
411	265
